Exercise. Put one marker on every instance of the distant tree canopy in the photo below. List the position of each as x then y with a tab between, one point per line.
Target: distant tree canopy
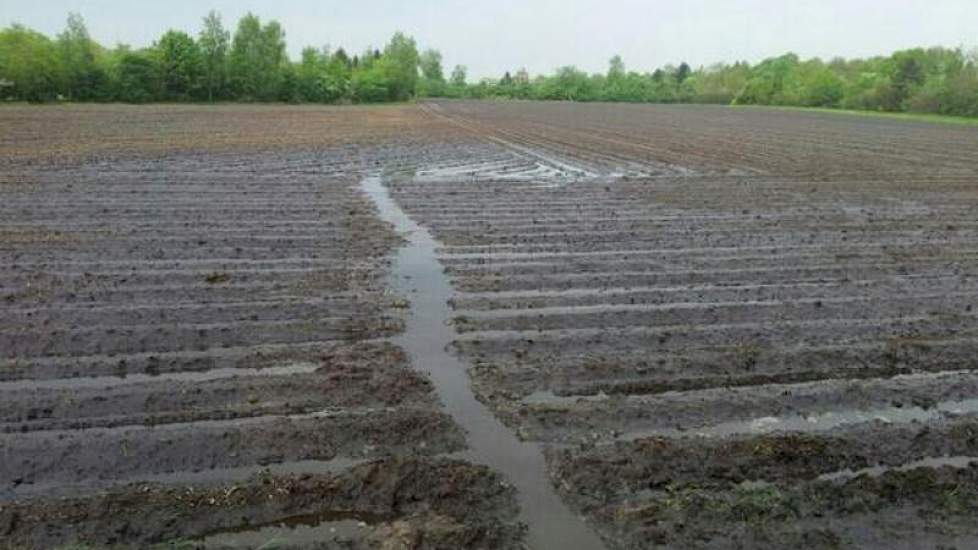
30	65
257	60
214	43
180	66
252	64
432	74
459	76
83	76
935	80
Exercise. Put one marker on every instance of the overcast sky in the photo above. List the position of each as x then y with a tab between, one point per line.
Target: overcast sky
491	36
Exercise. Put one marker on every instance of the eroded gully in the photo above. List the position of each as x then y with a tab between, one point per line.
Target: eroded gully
419	276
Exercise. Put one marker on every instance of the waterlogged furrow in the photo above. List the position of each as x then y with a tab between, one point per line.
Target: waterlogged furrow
427	336
507	303
731	328
710	345
206	337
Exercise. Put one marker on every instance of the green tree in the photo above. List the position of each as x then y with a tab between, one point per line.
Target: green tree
370	84
342	58
401	61
907	73
459	75
257	59
335	83
614	85
432	75
136	79
30	67
868	90
568	84
683	72
959	95
820	85
309	73
288	84
719	83
522	89
773	82
84	79
180	66
255	67
431	69
616	69
213	43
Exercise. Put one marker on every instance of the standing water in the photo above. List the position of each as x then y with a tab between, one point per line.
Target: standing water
418	274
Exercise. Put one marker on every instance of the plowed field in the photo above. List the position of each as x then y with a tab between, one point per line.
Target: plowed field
711	327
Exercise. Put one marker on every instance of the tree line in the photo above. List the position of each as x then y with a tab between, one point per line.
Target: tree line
935	80
252	65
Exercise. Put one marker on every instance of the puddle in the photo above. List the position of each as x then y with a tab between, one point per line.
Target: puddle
622	290
215	423
550	310
419	276
229	475
557	334
821	422
876	471
544	159
102	382
312	530
216	476
495	171
549	398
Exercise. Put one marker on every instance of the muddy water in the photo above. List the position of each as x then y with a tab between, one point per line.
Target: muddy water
815	423
214	476
316	529
419	276
323	532
105	382
527	152
932	462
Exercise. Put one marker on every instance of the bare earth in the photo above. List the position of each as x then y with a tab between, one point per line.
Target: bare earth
725	328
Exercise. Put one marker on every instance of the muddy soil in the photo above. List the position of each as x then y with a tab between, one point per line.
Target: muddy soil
196	339
358	376
729	328
402	503
544	416
704	310
765	491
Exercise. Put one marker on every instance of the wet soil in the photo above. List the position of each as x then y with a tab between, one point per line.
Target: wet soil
418	274
415	503
764	490
196	341
726	328
359	376
717	311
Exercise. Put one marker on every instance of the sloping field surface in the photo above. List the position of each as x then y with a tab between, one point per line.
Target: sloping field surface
718	318
699	327
195	340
